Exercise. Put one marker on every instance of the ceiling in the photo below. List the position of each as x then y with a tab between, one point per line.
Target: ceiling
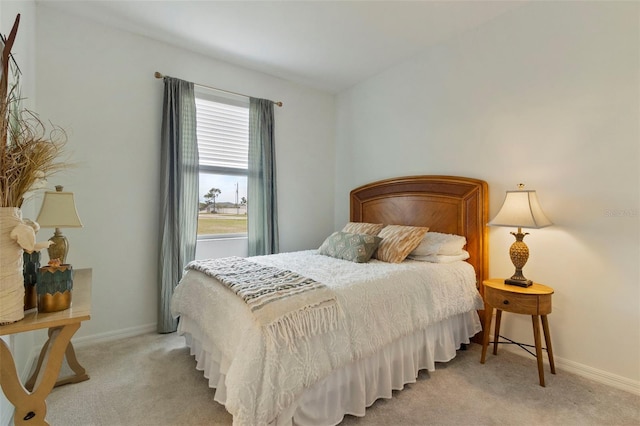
329	45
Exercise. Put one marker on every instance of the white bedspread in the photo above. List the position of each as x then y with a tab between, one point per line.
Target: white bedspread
381	302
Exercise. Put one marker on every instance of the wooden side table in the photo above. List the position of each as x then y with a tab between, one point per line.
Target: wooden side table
534	300
31	408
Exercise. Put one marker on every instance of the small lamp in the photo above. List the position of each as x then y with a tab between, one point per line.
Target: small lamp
520	209
58	211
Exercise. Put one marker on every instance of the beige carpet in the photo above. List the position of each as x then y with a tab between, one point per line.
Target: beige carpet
152	380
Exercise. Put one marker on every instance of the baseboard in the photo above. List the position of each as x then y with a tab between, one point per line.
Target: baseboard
6	408
6	411
598	376
7	414
26	372
113	335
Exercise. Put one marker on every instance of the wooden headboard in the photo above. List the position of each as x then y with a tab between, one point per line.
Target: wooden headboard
448	204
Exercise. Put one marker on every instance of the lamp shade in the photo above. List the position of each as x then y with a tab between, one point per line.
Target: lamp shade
521	209
58	210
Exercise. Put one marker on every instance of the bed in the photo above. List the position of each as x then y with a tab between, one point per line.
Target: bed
394	320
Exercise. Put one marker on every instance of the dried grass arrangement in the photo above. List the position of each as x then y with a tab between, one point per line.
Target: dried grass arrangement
28	155
28	151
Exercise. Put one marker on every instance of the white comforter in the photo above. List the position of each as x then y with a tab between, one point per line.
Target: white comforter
381	302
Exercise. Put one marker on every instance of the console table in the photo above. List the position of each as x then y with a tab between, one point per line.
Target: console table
29	400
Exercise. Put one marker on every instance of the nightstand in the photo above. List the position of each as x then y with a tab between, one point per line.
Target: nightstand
534	300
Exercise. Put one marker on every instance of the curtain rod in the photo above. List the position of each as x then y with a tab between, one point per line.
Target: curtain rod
159	75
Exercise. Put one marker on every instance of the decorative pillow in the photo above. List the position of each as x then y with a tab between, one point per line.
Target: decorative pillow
441	258
398	241
354	247
436	243
363	228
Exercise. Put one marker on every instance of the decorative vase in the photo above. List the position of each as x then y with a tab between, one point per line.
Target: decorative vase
30	272
11	278
55	284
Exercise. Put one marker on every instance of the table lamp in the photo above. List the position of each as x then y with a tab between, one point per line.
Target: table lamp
520	209
58	211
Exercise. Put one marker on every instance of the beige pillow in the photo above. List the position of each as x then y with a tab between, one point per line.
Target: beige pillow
398	241
363	228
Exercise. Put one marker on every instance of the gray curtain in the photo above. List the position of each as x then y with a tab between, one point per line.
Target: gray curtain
178	192
262	213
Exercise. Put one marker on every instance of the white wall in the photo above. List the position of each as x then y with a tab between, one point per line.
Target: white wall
98	84
548	95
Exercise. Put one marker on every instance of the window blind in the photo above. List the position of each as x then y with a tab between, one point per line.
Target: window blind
223	136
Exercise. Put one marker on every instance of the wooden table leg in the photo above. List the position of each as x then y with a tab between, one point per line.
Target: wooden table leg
547	340
31	408
488	314
496	333
70	355
536	336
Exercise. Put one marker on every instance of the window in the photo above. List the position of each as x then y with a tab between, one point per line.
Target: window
223	146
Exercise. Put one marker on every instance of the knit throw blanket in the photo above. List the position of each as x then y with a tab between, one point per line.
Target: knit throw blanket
286	305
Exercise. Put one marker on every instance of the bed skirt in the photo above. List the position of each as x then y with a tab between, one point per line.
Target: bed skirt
352	388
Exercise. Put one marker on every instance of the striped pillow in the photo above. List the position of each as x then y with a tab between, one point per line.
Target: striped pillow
363	228
398	241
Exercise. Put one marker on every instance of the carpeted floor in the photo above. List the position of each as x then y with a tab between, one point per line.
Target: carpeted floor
152	380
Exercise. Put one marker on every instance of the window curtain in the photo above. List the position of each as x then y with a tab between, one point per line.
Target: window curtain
262	214
178	193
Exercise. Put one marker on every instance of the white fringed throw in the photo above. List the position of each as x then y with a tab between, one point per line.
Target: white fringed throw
286	305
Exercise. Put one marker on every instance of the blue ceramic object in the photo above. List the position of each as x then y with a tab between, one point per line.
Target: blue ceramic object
53	280
31	264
